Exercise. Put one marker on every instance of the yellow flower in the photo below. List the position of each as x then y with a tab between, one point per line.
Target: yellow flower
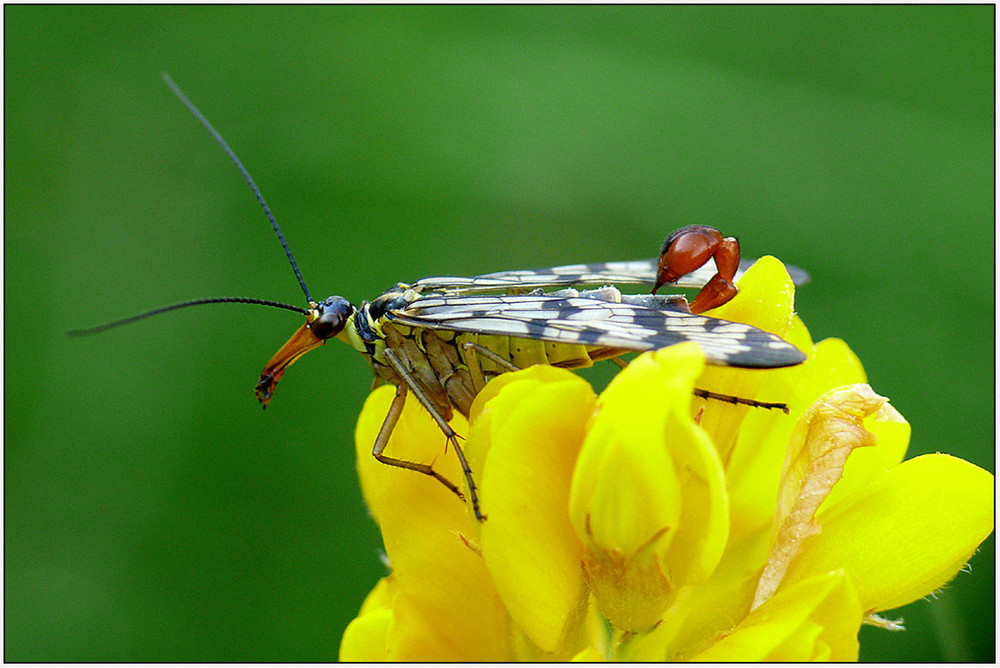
646	524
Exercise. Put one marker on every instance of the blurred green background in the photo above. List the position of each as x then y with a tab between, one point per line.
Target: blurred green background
154	512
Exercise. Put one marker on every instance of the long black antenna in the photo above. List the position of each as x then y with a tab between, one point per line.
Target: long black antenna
174	307
246	175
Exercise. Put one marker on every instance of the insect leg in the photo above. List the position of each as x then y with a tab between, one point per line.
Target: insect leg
382	440
475	369
490	355
449	433
619	362
730	399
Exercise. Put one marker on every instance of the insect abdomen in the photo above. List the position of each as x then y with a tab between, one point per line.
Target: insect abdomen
450	374
523	353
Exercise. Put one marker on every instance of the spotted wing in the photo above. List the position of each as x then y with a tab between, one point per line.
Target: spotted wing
603	273
596	322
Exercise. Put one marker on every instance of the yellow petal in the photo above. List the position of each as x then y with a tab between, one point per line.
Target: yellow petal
366	638
481	428
625	490
905	534
392	490
424	526
528	544
700	613
540	373
418	633
815	620
765	300
381	596
588	655
798	335
648	496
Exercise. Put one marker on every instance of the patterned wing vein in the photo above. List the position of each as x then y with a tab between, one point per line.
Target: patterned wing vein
595	322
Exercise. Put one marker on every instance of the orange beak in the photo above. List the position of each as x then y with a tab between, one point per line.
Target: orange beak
302	341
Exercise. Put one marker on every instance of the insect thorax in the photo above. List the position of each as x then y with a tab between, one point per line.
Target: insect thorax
449	367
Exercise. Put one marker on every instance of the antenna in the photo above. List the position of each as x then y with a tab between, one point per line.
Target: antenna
214	300
246	175
173	307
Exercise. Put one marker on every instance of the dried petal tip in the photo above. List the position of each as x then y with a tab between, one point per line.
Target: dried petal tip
823	438
883	623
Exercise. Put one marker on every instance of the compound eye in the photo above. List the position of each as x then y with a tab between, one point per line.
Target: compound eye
333	315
